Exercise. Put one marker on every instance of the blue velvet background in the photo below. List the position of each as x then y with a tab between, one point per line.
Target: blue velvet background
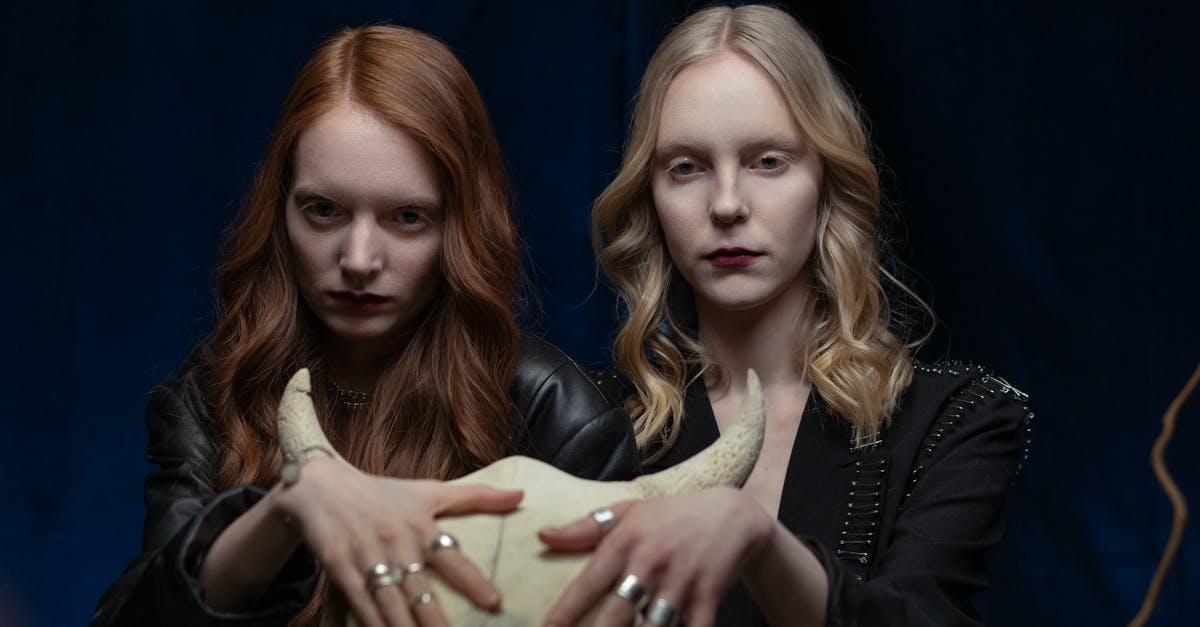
1041	155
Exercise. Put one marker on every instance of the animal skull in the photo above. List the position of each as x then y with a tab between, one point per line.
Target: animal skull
505	547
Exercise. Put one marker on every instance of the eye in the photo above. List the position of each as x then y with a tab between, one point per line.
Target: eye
683	168
321	210
410	219
770	163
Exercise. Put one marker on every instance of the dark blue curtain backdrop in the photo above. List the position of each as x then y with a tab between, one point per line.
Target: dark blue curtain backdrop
1041	156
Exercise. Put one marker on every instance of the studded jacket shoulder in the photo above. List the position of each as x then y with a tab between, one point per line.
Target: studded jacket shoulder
900	524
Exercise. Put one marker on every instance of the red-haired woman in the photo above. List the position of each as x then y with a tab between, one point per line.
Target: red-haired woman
376	248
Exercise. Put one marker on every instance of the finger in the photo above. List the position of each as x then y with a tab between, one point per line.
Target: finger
700	617
394	605
460	573
643	575
352	584
662	610
464	499
666	598
673	589
701	608
424	606
398	548
595	580
583	534
615	612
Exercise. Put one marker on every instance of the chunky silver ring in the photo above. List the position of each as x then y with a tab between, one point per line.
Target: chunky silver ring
443	541
660	613
604	517
381	575
631	589
422	599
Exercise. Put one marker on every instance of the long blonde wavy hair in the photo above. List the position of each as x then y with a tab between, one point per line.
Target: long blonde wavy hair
844	343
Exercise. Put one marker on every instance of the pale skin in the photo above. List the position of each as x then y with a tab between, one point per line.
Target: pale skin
364	220
736	188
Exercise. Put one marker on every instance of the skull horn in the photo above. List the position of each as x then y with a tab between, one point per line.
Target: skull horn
726	462
298	426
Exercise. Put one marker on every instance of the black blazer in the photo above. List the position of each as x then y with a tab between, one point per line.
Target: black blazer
901	525
570	424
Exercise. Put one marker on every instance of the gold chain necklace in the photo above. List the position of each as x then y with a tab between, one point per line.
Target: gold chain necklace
349	398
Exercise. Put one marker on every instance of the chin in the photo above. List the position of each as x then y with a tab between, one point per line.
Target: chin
736	292
734	302
739	305
370	331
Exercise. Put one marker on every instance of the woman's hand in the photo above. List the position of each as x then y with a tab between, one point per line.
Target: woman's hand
353	521
684	551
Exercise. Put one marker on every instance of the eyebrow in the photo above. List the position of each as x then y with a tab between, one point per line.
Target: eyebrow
795	146
676	148
307	191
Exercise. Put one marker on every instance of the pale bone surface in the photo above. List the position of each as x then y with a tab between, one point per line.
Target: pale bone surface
505	547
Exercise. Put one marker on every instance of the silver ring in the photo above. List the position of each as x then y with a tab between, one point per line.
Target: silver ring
660	613
422	599
381	575
604	517
414	568
631	589
443	541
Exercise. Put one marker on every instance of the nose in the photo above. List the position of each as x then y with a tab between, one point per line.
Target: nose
361	257
727	205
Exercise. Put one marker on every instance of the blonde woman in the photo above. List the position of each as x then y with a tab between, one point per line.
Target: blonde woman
741	233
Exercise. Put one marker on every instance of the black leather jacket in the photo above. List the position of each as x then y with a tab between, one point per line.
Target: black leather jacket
570	425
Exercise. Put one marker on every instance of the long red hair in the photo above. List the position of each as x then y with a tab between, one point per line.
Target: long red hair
441	408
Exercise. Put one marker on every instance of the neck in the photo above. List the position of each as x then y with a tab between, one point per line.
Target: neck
763	338
355	366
